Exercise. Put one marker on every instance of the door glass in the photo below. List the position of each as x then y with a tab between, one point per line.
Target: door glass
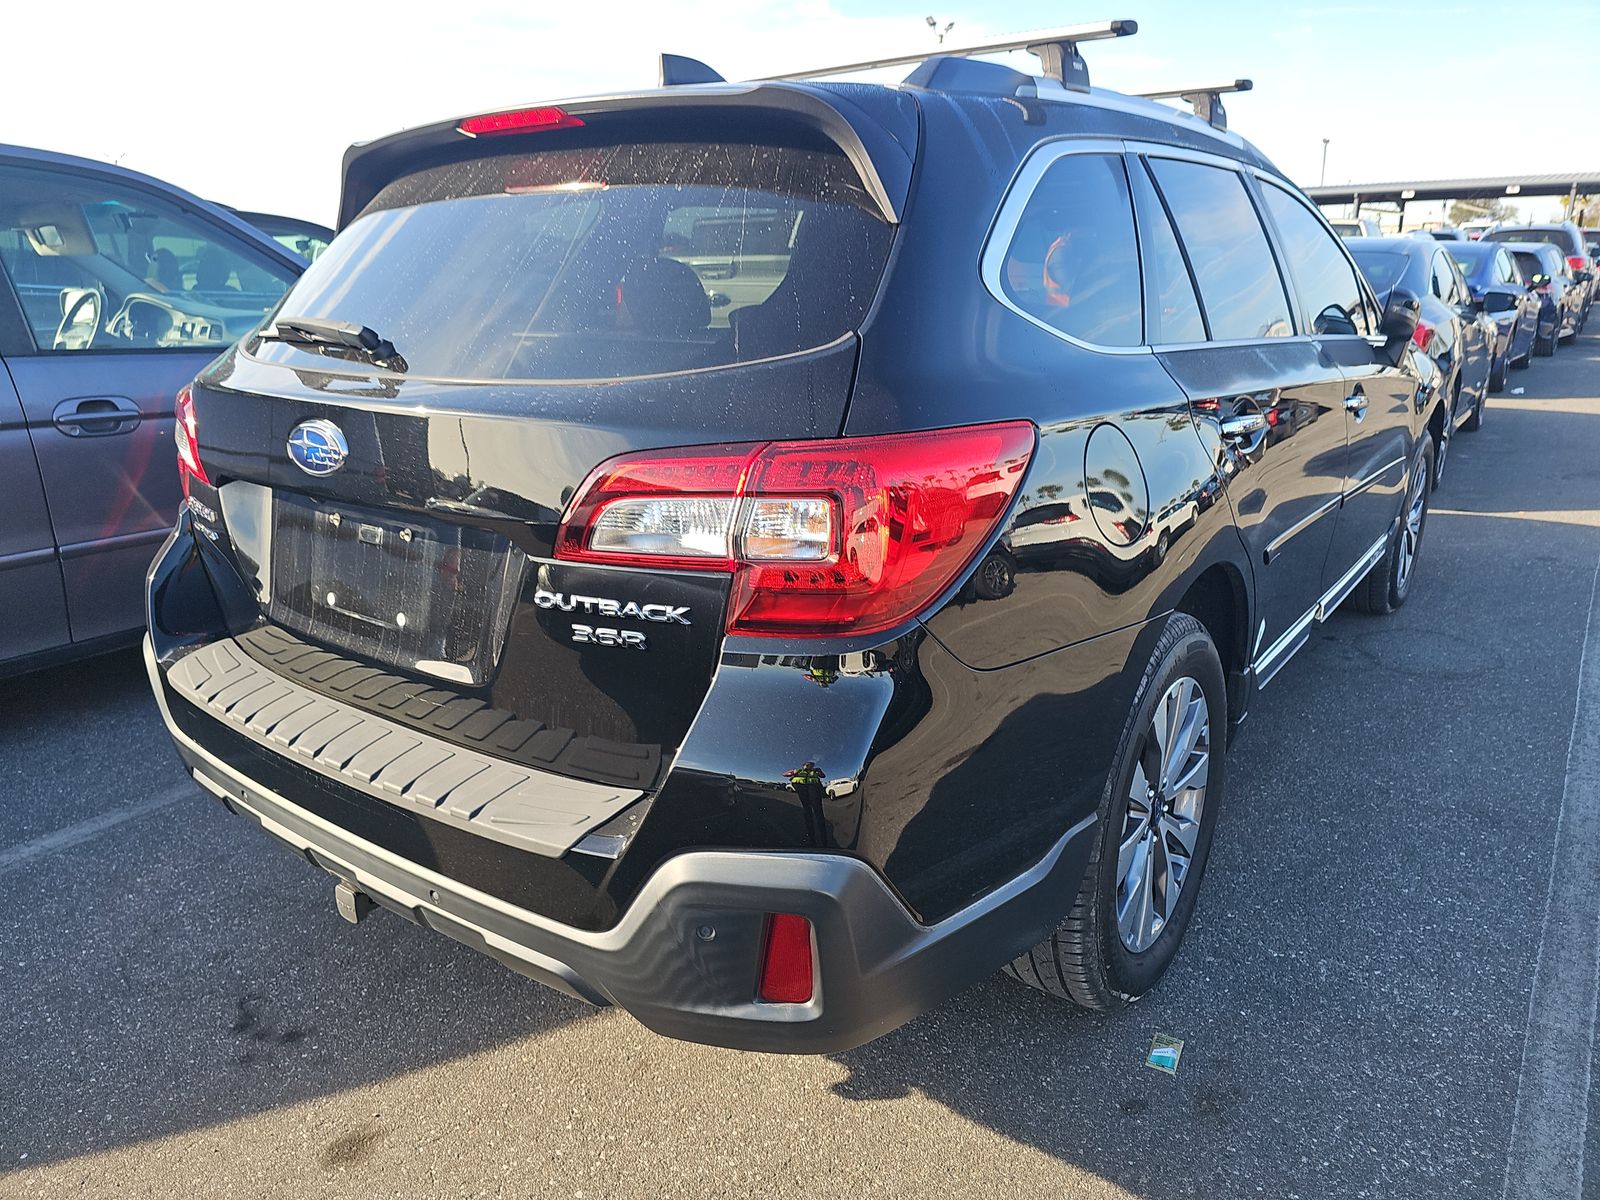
99	265
1239	282
1444	284
1330	297
1172	310
1073	262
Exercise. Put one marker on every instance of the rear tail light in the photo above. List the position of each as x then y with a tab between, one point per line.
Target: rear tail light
519	120
1423	335
186	432
786	968
835	537
1577	262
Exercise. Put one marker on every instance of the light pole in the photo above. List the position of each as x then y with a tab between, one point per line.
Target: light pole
1324	178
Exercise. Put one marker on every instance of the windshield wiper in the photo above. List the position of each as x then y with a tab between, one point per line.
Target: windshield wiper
337	335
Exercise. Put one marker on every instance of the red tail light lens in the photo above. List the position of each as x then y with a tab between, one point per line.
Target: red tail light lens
834	537
186	432
1577	262
786	968
519	120
1422	336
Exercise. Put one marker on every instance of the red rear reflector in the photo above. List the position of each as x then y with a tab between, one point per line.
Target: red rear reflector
186	432
518	120
786	972
1422	336
842	536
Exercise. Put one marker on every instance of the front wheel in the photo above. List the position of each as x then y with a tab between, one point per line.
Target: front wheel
1544	345
1156	820
1389	582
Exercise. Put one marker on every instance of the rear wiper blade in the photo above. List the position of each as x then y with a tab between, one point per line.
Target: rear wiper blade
340	335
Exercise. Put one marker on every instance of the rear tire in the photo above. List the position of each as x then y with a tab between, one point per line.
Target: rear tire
1152	846
1497	383
1389	582
1544	347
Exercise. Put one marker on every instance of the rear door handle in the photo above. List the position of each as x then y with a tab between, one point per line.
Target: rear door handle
96	416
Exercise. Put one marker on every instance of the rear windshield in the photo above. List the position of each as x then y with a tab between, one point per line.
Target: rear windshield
1555	236
1469	257
604	262
1383	268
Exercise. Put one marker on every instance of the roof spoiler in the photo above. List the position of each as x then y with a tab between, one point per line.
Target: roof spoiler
877	144
1206	101
1056	49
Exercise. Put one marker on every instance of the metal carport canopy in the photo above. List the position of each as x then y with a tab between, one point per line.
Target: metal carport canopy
1484	188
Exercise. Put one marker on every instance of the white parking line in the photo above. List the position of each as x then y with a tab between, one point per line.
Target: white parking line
1545	1158
21	855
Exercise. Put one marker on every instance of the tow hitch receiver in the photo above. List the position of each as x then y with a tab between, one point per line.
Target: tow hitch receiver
352	904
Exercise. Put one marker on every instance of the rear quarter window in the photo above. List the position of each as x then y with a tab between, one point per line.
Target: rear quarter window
1072	261
604	261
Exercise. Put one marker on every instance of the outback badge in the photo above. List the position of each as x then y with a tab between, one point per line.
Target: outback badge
318	447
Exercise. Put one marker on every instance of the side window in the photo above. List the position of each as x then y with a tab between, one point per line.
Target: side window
1171	308
1330	296
1504	272
1073	261
1445	280
98	265
1239	283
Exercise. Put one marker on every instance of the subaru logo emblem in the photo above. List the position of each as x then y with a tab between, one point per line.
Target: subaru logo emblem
318	447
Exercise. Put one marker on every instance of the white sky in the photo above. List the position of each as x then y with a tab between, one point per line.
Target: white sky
253	106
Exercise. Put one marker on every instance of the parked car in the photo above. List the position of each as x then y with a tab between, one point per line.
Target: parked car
115	289
305	238
1448	329
1591	238
1447	233
1499	292
1476	229
1543	269
1567	238
1357	228
628	636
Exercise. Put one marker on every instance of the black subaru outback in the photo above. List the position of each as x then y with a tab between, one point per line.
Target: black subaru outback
769	555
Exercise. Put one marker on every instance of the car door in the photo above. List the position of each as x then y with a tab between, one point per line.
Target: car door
1477	350
31	599
1380	401
1290	471
126	293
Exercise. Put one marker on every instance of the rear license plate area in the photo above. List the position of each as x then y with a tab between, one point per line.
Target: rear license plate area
421	595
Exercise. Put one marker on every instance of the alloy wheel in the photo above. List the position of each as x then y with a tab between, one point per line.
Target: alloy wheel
1411	529
1162	823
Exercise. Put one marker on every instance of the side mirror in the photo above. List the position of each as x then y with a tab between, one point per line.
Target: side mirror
1584	276
1538	281
1400	316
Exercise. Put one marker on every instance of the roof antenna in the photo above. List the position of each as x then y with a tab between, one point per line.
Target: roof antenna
1206	101
681	69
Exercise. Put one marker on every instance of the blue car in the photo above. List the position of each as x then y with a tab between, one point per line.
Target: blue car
1497	290
115	290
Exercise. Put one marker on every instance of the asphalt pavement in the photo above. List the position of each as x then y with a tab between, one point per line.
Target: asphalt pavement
1388	992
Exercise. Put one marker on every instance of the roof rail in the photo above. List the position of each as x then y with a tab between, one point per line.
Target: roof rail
1207	101
1057	50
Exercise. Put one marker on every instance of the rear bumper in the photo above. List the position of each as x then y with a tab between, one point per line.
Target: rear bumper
683	957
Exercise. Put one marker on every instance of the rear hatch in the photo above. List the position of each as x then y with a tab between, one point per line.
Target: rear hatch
553	298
